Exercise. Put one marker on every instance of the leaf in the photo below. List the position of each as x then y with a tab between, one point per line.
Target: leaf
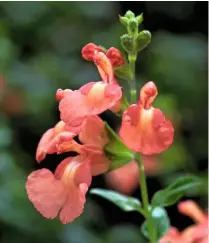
125	203
160	223
175	191
123	72
116	151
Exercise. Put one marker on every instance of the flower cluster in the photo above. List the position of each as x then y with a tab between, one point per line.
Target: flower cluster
144	129
197	233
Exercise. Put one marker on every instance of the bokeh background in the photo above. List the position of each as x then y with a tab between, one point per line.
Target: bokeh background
40	44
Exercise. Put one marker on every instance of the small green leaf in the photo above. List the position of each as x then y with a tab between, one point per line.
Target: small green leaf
126	203
123	72
175	191
160	223
142	40
140	18
116	151
123	20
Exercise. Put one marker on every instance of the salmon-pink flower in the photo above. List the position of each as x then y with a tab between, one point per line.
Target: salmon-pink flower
92	98
57	140
145	128
62	193
197	233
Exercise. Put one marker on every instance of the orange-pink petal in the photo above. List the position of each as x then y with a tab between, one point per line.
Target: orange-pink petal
91	99
59	136
148	94
43	143
104	67
76	174
99	163
93	132
115	57
47	194
195	234
191	209
89	50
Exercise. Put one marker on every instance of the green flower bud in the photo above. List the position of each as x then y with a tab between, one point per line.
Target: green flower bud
133	27
142	40
127	42
129	14
140	18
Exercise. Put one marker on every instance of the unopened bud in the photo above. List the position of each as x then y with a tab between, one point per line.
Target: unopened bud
133	27
129	14
127	42
142	40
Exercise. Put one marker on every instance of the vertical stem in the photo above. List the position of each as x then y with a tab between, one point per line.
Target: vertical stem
132	60
145	199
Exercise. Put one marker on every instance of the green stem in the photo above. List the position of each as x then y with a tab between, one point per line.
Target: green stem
132	60
145	199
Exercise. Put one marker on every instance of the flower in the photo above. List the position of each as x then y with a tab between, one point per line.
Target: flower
197	233
145	128
62	193
92	98
65	191
126	178
54	139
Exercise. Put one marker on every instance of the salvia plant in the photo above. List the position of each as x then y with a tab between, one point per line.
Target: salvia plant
144	131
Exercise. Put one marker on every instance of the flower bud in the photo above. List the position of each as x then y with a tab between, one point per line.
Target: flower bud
129	14
89	50
142	40
133	27
127	42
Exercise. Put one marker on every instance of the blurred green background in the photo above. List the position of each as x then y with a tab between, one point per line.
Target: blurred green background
40	44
